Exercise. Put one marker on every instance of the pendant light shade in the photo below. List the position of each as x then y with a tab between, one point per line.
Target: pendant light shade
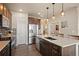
62	12
47	12
53	11
53	17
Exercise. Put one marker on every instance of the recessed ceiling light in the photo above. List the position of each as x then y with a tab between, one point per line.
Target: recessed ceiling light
20	10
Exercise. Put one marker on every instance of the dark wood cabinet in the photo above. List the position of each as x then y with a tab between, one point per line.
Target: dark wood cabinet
0	20
49	49
4	10
5	38
4	21
32	20
45	48
5	16
6	50
8	46
56	50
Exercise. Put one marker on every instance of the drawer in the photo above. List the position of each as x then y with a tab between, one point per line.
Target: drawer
55	52
58	48
3	39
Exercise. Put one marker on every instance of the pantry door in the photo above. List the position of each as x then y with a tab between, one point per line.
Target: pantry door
22	36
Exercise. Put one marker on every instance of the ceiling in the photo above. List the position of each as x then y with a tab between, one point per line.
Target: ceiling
39	9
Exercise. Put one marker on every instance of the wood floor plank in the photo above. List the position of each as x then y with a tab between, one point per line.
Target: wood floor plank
25	50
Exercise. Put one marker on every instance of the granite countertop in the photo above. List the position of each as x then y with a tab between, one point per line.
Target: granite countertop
60	41
3	44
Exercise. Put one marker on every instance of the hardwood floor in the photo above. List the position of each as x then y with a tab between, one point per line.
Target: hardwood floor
25	50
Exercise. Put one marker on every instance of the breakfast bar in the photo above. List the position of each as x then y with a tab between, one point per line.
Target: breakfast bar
65	46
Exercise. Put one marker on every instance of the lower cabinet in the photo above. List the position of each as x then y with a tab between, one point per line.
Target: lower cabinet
56	50
6	51
8	46
45	48
49	49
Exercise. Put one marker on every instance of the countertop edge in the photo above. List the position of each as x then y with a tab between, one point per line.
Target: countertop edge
57	44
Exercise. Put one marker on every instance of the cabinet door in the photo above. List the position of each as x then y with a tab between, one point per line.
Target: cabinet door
10	20
42	49
1	8
45	48
5	11
5	22
56	50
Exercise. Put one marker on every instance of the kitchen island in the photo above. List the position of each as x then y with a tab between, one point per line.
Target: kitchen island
62	46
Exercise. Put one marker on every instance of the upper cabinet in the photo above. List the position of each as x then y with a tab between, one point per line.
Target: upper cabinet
6	16
32	20
1	8
5	11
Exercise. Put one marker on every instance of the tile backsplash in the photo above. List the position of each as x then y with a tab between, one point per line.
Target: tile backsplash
4	32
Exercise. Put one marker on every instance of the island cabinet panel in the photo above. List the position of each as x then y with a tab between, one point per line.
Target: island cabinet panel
49	49
69	50
45	48
56	50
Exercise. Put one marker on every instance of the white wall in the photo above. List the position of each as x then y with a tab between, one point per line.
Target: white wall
52	25
71	16
78	19
20	22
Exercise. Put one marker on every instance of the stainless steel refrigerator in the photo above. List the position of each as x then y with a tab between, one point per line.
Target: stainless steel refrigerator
33	31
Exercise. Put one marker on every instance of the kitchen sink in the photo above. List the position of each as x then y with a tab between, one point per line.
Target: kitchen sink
50	38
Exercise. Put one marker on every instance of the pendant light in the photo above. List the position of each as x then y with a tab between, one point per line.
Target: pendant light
53	11
47	12
62	12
